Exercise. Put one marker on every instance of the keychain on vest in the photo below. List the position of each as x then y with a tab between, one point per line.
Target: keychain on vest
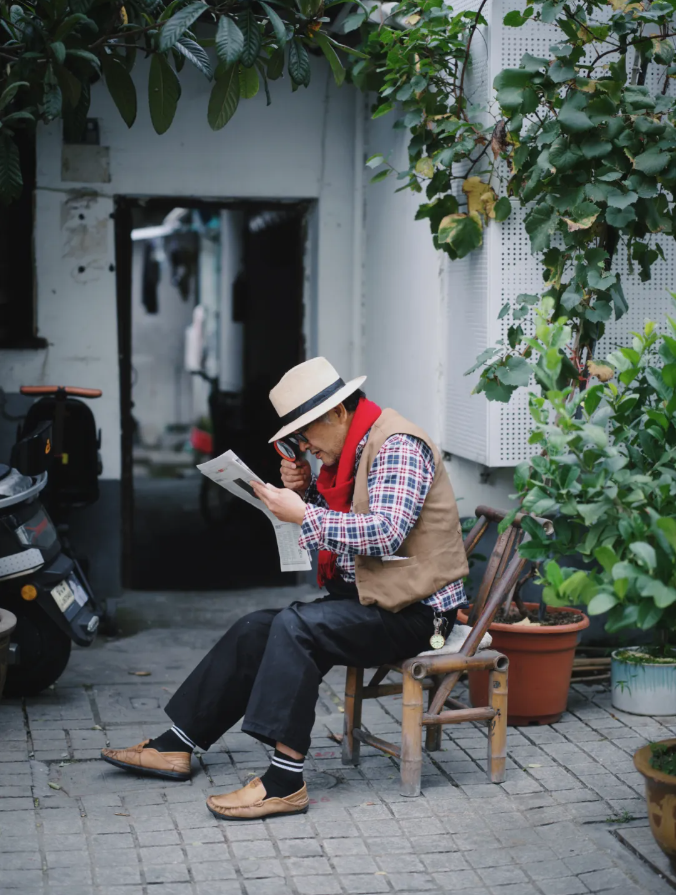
437	640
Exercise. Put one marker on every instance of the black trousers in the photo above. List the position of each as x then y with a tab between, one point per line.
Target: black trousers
268	666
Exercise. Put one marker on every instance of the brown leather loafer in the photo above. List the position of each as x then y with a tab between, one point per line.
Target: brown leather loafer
250	803
168	765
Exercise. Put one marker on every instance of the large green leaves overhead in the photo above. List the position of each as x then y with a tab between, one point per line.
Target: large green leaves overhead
164	91
229	41
178	24
252	38
224	97
299	63
121	88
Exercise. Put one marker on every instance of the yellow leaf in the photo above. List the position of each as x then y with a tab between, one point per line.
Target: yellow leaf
586	86
481	197
601	371
425	167
412	20
583	224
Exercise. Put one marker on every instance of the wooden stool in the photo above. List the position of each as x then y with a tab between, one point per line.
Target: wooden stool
440	673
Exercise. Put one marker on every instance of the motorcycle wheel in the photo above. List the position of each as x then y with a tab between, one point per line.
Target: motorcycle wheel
44	650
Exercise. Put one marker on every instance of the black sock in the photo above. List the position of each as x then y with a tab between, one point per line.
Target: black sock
284	776
174	740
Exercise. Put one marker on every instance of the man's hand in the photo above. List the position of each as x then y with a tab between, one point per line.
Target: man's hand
296	476
286	505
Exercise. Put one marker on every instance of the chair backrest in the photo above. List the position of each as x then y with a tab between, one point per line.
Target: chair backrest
502	573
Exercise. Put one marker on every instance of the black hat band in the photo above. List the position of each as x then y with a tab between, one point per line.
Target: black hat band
314	402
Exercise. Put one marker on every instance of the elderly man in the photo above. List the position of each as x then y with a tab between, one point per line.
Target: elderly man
383	516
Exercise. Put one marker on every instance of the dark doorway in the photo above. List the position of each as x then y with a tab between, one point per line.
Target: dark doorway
211	316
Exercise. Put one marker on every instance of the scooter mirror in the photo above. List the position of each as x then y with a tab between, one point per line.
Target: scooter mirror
288	449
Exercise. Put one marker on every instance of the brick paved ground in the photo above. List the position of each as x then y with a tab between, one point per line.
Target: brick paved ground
569	819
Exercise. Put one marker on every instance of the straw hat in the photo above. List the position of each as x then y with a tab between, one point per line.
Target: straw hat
307	392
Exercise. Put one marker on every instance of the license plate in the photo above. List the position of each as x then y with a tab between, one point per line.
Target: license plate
80	594
63	595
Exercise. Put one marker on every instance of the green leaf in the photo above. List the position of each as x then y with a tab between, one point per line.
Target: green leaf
179	23
662	594
502	209
383	110
375	160
463	232
230	42
667	526
252	38
121	88
517	371
331	57
652	161
510	85
11	181
10	92
601	603
58	51
514	19
224	98
299	63
276	64
381	175
86	56
354	21
564	155
620	219
540	224
607	557
645	553
572	118
561	71
593	146
196	54
164	91
278	25
248	82
648	615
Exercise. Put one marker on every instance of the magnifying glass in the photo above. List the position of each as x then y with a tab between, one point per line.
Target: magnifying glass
288	448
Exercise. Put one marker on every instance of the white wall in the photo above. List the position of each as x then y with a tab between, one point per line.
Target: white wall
407	288
301	147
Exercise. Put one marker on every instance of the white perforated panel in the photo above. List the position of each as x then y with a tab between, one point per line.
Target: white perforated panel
478	286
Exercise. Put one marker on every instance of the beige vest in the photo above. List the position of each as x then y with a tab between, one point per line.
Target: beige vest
434	551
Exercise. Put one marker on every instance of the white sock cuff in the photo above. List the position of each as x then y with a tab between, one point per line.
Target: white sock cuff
288	765
183	736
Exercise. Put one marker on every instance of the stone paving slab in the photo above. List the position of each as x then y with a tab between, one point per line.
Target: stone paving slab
569	820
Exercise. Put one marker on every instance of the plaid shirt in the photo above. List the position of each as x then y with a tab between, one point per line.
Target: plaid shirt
398	483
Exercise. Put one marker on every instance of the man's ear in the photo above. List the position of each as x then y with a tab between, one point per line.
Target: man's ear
341	413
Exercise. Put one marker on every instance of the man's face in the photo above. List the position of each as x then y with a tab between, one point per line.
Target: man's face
325	438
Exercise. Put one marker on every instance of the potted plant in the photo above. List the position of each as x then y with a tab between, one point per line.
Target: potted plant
657	763
607	479
541	649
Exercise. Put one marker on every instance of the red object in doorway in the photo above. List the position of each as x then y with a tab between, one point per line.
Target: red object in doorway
201	441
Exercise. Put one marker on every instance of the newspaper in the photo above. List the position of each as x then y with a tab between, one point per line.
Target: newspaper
231	473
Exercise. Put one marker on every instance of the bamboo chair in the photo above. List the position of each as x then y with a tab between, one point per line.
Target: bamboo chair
439	674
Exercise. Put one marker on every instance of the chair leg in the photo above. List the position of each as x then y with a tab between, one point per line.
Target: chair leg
411	736
434	731
354	684
497	731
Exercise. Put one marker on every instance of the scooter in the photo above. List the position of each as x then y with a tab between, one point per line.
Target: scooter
39	582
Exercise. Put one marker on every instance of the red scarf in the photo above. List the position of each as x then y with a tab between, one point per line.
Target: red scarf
336	483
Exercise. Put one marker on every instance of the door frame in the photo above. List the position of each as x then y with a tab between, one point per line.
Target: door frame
123	216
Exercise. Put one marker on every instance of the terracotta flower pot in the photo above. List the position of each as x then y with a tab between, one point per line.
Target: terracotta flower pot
660	793
540	666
